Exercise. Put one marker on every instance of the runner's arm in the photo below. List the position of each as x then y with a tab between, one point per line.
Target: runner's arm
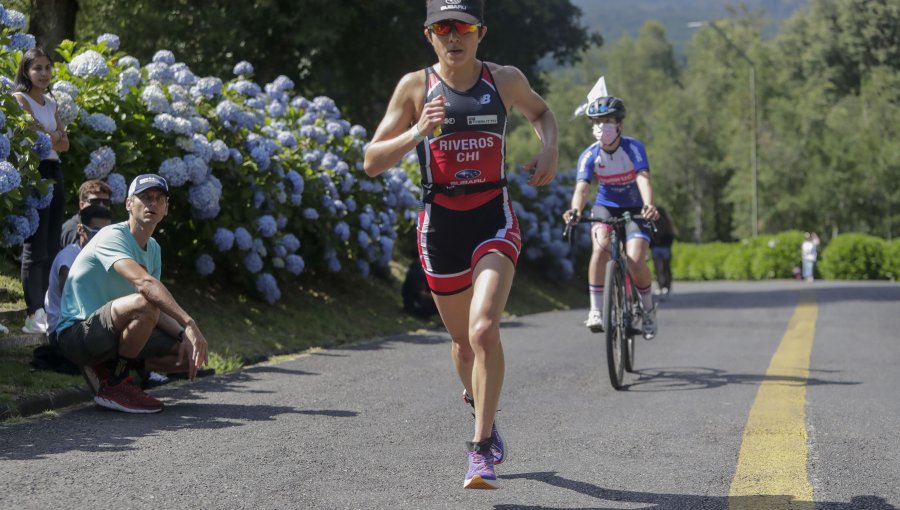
516	92
393	138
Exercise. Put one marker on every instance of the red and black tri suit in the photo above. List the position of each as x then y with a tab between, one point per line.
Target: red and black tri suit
467	211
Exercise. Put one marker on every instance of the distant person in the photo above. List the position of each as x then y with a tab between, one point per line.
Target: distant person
48	357
32	82
661	247
620	166
91	192
809	251
115	313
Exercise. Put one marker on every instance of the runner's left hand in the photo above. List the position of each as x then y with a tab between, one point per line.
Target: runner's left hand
543	167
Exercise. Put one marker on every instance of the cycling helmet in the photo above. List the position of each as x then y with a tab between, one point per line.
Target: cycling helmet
606	106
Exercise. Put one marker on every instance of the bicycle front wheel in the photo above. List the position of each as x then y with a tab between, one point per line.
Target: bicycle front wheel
614	323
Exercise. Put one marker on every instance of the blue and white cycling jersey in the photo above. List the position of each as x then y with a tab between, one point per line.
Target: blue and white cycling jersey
616	173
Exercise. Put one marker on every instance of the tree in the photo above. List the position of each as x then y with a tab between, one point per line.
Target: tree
52	21
345	49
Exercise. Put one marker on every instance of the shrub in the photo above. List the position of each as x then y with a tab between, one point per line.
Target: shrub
892	260
854	257
775	256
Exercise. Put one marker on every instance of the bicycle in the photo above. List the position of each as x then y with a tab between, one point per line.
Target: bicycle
621	302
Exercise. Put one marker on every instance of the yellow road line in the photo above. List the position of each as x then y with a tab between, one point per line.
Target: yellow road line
771	470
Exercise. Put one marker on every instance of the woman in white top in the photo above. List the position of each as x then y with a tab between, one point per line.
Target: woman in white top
32	81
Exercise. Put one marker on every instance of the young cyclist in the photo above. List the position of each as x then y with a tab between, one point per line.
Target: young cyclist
619	164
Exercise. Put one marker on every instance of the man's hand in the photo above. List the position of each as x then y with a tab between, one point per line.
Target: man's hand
193	349
432	116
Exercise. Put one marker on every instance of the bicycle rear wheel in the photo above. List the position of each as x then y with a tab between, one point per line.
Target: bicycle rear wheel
614	323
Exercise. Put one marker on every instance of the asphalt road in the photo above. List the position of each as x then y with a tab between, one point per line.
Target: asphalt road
382	425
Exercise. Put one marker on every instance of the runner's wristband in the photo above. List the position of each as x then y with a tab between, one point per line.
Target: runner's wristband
417	136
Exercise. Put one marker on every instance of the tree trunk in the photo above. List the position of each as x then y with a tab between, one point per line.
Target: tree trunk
51	22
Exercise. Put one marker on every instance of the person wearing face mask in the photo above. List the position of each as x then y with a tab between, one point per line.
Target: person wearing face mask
620	167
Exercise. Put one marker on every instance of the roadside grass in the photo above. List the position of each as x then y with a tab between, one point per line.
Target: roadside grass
318	311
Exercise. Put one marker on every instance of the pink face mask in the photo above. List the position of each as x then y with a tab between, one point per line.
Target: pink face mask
606	133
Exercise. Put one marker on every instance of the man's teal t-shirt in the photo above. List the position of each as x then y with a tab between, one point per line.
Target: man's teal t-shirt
93	282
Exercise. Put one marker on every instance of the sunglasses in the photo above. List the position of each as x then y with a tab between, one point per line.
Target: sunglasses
444	27
105	202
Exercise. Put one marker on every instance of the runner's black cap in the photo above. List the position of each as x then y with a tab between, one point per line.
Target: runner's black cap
467	11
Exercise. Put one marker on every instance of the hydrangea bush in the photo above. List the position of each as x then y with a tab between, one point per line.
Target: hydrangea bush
265	184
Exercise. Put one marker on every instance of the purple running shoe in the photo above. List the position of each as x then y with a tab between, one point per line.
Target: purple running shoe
481	466
498	446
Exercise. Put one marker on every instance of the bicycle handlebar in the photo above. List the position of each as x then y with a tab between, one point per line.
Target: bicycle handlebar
625	218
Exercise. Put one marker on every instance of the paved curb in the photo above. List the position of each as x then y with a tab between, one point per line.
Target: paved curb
40	403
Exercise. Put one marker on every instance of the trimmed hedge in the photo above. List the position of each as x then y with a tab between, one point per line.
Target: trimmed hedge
854	257
847	257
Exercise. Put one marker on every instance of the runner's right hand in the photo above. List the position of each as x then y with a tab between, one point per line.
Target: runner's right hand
432	116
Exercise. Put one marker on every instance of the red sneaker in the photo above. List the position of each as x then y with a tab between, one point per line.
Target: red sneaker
127	398
94	376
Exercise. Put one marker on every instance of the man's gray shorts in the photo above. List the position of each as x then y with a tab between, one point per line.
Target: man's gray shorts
95	340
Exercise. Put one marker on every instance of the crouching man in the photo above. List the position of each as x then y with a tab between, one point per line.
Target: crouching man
115	313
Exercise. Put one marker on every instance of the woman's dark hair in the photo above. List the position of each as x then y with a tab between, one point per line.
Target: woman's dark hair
22	81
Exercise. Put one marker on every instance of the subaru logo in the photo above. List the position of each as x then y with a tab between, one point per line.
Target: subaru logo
467	174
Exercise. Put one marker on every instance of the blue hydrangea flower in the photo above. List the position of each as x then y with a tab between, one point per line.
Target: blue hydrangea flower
275	109
259	247
253	262
99	122
16	229
342	230
363	267
358	131
245	88
329	161
164	57
183	76
283	83
224	239
290	243
128	78
294	264
266	225
4	147
159	72
2	119
204	198
111	40
128	62
197	169
300	103
259	198
335	129
34	200
334	265
243	67
21	42
14	19
310	214
362	237
236	156
205	265
174	170
201	147
243	239
155	99
118	186
9	177
199	125
208	88
261	156
89	63
268	287
219	150
43	145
